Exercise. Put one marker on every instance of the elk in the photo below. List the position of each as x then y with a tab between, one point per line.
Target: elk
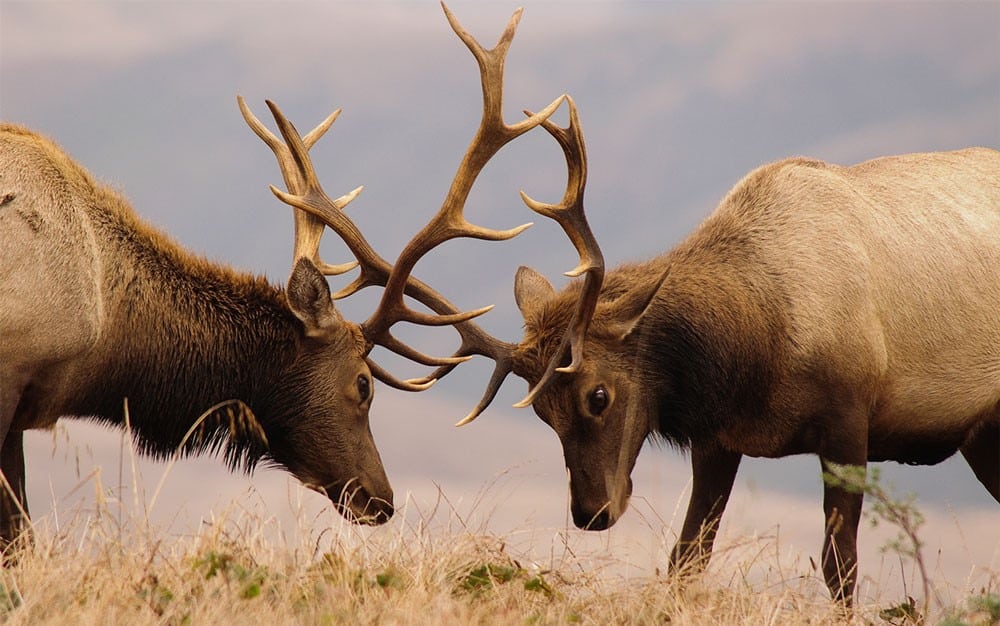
847	312
274	375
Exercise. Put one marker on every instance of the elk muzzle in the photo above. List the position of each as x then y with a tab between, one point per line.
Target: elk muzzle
597	501
363	500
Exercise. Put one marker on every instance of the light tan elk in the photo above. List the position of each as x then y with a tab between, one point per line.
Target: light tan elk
849	312
96	307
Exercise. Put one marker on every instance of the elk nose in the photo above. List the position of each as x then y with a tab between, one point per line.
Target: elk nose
376	512
357	504
591	521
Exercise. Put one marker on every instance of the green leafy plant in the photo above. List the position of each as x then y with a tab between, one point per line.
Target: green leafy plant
250	580
10	599
900	512
981	610
491	575
155	594
903	613
390	578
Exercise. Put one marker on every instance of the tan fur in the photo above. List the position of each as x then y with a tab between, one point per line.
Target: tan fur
851	312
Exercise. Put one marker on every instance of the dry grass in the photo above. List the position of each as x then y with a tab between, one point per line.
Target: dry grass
109	565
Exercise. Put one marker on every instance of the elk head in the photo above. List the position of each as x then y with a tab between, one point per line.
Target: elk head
330	375
339	349
597	407
593	404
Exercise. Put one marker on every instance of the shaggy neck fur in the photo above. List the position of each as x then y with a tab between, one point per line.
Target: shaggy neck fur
707	347
716	335
183	335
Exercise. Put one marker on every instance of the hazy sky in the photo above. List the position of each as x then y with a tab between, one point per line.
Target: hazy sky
678	102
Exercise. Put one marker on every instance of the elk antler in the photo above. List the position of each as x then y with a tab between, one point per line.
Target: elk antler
308	228
308	197
570	215
449	222
305	193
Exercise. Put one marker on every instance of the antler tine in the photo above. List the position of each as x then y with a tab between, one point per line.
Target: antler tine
449	222
404	385
308	229
477	341
375	270
502	368
569	213
491	64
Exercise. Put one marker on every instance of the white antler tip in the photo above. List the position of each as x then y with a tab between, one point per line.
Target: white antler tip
533	204
520	229
346	199
287	198
418	384
582	269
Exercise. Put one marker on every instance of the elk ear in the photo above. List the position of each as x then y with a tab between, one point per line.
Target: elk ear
531	290
629	309
309	299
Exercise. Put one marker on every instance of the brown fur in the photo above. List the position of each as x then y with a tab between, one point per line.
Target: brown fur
850	312
97	308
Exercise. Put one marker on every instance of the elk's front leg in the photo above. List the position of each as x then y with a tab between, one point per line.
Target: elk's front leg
982	452
842	508
714	472
13	502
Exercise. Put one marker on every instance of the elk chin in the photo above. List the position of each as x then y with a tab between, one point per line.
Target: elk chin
600	514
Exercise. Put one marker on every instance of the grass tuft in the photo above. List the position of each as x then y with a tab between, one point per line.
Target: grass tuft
110	564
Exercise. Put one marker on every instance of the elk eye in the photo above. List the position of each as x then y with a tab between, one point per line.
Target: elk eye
598	400
364	388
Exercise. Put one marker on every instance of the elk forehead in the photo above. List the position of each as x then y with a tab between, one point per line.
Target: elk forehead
543	332
545	312
607	363
545	324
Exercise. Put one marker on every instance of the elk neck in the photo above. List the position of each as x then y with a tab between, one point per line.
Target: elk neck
180	335
711	344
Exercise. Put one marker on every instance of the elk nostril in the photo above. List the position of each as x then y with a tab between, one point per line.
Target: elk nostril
378	511
369	510
601	521
355	501
592	521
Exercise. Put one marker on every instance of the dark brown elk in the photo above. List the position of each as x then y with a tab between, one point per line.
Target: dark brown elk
848	312
97	308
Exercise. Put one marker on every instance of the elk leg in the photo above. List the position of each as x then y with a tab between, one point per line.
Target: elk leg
842	508
714	472
982	453
13	505
13	502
